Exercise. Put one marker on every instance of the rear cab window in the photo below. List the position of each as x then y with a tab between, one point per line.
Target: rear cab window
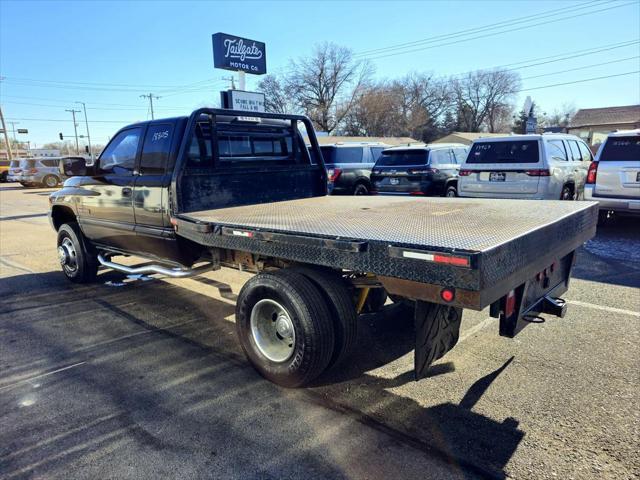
246	146
403	158
621	149
509	151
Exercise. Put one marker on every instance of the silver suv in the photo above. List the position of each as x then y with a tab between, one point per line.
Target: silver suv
614	178
41	172
542	167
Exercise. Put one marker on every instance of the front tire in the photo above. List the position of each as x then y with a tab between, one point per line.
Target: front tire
452	191
79	263
284	327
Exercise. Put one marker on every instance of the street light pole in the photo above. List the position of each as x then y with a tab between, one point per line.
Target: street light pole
6	136
86	122
75	128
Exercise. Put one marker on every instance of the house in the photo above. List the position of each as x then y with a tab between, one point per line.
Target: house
467	138
594	124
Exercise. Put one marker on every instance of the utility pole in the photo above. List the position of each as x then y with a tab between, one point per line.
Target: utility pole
6	136
75	128
232	80
86	122
13	130
150	97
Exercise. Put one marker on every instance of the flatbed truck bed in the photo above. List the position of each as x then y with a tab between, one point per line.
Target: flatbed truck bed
495	244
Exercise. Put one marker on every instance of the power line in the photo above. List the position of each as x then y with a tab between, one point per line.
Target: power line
582	68
507	22
570	17
576	81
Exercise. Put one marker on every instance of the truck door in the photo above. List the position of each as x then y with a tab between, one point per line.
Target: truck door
150	196
106	212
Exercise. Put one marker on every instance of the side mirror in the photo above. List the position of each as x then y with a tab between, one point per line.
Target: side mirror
76	167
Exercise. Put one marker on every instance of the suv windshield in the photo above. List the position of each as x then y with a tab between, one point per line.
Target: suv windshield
510	151
621	149
396	158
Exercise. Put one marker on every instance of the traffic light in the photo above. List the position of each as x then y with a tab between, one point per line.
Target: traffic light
61	136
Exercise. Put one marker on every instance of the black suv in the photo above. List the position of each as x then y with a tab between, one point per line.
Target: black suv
349	166
419	170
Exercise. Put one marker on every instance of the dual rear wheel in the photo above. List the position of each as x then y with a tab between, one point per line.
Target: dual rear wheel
295	323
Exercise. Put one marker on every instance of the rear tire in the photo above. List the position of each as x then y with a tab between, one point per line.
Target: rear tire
361	189
3	177
79	262
50	181
567	193
284	327
341	307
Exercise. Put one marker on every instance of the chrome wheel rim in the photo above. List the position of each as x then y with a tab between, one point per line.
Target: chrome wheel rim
51	182
68	256
272	330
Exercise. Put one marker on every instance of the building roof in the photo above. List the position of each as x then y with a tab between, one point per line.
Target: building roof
466	137
330	140
606	116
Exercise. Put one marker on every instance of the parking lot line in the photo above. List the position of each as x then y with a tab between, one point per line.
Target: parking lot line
42	375
603	308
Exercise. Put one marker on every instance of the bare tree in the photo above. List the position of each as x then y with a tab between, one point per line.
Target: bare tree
276	99
326	85
483	96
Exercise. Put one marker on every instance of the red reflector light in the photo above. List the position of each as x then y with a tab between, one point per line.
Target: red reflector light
334	174
416	193
592	173
447	294
538	173
464	173
449	260
510	307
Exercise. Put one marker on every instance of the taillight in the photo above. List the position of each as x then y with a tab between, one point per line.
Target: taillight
334	174
424	171
448	294
592	173
510	306
464	173
538	173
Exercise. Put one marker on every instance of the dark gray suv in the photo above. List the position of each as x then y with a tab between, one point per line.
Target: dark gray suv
349	166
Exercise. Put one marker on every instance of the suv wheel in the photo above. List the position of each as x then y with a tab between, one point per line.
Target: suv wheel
284	327
567	193
361	189
50	181
78	262
452	191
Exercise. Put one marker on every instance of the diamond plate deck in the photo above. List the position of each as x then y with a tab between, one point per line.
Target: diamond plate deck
473	225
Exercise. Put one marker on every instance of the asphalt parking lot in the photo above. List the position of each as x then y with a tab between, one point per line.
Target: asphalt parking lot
143	378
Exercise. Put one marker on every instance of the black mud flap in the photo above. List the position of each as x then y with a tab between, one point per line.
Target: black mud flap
437	331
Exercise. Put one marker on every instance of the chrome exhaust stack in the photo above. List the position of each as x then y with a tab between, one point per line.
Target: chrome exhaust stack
148	269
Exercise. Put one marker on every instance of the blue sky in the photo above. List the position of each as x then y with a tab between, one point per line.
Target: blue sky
116	51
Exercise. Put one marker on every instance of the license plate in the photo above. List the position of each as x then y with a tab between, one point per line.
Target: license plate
394	181
497	176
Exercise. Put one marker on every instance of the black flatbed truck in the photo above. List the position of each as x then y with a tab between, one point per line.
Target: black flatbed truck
243	192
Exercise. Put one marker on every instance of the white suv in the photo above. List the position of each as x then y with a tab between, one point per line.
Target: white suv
548	166
614	178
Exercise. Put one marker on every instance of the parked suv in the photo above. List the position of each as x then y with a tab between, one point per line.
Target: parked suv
419	170
547	166
41	172
614	177
13	175
349	166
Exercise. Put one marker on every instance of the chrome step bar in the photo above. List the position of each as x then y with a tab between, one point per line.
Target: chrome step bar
147	269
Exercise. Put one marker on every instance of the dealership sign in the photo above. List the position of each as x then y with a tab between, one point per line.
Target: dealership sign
240	100
239	54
